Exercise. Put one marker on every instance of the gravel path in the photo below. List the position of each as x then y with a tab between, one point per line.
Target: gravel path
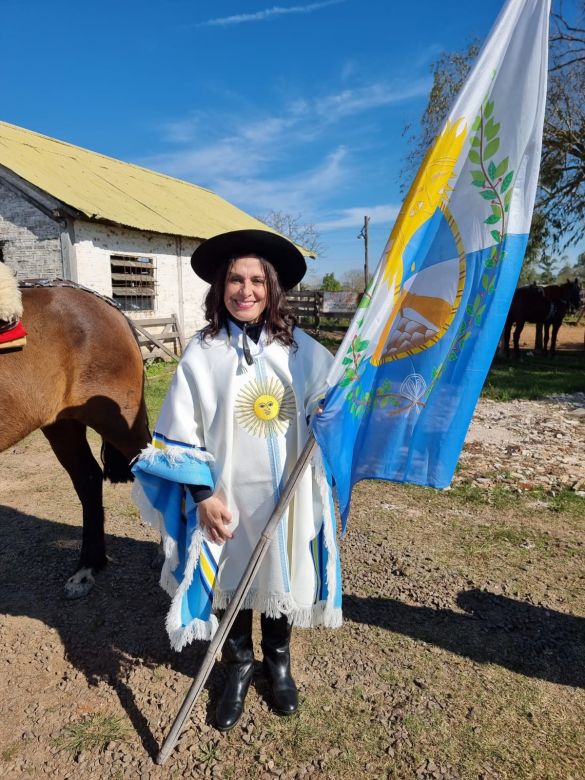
527	444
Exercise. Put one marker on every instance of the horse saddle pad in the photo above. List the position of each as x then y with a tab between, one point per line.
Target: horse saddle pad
12	335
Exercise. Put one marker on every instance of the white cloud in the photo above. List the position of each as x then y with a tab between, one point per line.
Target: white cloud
268	13
181	131
297	193
348	70
354	217
230	156
247	147
376	95
291	160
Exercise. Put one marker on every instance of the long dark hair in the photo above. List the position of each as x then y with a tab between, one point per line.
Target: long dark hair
279	320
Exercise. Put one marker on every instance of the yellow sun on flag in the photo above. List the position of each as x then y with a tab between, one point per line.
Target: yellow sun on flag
430	190
424	306
264	407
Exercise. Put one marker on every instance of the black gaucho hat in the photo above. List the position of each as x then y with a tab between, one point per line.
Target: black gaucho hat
287	260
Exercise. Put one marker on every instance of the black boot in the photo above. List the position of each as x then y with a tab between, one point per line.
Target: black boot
238	656
275	646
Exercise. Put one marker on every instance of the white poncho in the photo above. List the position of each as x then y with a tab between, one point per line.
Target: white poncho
240	429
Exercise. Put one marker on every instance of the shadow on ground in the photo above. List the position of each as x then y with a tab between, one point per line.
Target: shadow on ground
121	622
524	638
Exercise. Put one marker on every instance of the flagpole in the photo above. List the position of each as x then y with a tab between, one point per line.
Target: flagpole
238	598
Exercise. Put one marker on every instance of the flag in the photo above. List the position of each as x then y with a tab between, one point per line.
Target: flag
408	374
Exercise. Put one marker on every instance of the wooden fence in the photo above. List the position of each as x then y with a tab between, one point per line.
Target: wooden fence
154	336
317	310
320	310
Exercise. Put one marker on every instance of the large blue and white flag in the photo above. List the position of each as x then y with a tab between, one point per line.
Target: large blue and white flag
410	369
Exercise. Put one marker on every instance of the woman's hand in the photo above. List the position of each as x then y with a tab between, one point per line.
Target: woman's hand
214	516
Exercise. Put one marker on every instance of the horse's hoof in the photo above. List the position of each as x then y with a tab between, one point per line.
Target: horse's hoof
79	584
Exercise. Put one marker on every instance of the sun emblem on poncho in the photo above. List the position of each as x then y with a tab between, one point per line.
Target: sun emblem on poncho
264	407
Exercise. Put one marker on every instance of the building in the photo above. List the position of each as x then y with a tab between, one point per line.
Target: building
123	230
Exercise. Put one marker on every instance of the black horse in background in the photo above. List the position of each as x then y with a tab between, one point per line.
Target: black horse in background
546	307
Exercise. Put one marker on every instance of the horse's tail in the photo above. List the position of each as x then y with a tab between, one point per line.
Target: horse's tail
116	465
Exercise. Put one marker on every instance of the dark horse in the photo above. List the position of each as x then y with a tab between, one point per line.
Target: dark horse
81	367
545	306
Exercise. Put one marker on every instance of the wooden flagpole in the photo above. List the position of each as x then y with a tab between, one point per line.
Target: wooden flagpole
238	598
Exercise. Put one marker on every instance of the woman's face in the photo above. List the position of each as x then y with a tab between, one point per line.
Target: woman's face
245	293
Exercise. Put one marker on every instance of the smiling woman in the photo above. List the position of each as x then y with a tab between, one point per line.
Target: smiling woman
229	433
245	289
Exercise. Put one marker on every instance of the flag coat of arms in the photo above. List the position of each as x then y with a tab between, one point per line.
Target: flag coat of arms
407	376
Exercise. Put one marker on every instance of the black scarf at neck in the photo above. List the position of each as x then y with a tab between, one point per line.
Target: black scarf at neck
249	331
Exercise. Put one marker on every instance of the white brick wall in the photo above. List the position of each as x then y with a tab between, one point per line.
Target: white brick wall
31	243
94	243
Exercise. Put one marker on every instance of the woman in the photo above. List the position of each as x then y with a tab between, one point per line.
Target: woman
230	431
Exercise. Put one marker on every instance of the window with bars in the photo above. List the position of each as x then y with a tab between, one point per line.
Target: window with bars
133	282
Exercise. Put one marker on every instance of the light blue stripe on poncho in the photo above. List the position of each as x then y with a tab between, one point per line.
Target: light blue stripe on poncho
190	565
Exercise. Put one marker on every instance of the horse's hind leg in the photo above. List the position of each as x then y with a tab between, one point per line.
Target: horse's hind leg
69	443
506	337
517	331
553	339
538	339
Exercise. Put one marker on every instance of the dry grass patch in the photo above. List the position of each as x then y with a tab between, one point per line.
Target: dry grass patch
93	733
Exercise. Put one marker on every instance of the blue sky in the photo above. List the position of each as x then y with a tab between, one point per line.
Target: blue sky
274	104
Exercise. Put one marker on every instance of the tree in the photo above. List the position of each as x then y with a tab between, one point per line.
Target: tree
354	280
306	234
559	218
566	273
546	264
449	73
330	283
578	270
568	39
537	243
561	196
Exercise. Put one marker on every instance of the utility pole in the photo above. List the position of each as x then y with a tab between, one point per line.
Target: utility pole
364	234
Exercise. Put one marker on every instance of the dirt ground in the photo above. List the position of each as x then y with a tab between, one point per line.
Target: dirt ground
462	653
568	337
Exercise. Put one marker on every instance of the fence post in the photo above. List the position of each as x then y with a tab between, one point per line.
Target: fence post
318	306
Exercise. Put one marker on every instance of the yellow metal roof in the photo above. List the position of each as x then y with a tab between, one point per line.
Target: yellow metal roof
103	188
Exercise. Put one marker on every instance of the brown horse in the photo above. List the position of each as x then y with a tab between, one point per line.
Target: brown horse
81	368
563	299
545	306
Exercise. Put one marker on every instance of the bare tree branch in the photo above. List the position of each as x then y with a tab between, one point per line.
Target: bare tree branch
306	234
559	219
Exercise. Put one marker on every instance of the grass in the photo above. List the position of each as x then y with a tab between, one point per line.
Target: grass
499	496
485	541
93	732
208	753
323	720
158	379
534	377
10	752
503	497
